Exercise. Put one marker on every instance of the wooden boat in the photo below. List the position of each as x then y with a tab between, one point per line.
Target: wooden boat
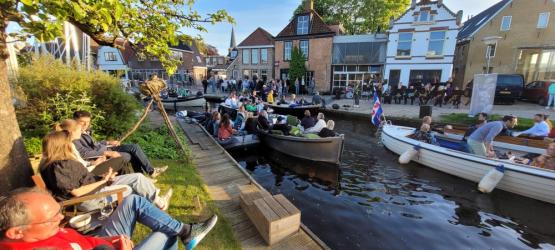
327	149
224	109
215	98
533	182
297	111
244	142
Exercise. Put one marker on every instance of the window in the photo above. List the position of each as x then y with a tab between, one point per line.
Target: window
490	50
424	16
246	56
263	56
506	23
220	60
404	45
302	25
287	50
543	20
254	56
110	56
437	38
264	74
304	48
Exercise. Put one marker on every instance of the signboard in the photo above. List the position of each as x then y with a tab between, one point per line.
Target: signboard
483	94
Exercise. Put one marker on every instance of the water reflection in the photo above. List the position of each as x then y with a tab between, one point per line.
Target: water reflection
372	202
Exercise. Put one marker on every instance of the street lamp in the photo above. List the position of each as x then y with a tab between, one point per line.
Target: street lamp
490	41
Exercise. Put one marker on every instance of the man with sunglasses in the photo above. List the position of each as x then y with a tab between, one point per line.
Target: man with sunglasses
30	219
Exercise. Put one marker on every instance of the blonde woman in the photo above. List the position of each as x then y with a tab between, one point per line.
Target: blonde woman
67	177
101	164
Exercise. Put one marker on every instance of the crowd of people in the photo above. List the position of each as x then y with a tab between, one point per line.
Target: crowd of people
279	87
73	164
479	138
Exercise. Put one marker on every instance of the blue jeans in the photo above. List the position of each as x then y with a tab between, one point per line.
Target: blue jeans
134	153
134	208
213	87
551	100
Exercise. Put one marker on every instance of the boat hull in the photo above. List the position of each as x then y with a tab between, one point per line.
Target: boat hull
327	149
214	98
531	182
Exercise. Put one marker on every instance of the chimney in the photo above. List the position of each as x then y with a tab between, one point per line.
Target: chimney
309	5
459	17
413	4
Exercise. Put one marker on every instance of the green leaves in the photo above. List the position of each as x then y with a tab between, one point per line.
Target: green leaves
297	69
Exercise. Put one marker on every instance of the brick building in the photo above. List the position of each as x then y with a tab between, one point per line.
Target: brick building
255	57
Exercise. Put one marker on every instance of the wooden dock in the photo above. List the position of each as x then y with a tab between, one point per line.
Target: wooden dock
222	175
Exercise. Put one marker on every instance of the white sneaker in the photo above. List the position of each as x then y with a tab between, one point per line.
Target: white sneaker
163	202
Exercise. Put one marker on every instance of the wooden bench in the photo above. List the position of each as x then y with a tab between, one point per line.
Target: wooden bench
274	217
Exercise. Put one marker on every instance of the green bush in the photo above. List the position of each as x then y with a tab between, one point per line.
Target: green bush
33	145
53	91
156	143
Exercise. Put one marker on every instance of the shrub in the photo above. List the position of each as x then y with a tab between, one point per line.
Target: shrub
33	145
54	90
156	143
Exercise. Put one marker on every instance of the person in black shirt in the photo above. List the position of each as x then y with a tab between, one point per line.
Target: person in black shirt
328	130
67	178
410	94
204	84
307	121
263	122
282	125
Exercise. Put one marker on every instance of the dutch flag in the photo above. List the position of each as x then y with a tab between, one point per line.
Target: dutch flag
376	110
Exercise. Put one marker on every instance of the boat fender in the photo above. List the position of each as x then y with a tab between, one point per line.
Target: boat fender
409	155
491	179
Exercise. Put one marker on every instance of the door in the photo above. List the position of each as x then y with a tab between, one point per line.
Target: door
284	74
394	77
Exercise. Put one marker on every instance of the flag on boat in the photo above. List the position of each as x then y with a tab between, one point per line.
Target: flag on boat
376	110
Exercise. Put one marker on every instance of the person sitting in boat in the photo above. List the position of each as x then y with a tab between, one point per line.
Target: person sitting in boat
263	121
540	128
320	124
251	124
281	125
482	119
328	130
293	99
226	131
479	141
425	120
240	118
307	121
259	105
232	100
546	161
214	123
425	135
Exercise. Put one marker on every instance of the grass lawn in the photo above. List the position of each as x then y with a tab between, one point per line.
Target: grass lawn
463	119
186	183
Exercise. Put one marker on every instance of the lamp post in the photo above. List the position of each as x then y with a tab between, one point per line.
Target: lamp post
490	41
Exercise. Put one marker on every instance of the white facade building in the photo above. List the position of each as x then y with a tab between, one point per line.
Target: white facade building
111	60
421	44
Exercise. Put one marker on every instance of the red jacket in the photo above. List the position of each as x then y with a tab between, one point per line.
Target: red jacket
65	239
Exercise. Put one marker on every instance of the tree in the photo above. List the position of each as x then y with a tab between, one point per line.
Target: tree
358	16
153	25
297	69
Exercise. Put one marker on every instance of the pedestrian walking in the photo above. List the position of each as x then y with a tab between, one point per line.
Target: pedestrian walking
551	92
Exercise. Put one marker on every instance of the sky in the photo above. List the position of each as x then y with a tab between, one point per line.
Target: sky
274	15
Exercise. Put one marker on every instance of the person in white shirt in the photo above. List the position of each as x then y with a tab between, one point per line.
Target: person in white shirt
320	124
540	128
232	100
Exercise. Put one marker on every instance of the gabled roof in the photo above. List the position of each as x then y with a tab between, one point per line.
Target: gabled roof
475	23
258	37
316	26
423	3
181	46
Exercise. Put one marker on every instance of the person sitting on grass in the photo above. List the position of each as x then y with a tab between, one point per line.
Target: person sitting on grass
328	130
67	178
98	166
30	218
425	135
307	121
133	153
539	130
225	130
320	124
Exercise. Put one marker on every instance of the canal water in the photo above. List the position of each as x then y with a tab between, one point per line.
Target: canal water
372	202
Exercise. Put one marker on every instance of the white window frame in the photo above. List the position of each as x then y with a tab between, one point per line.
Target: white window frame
263	56
546	16
287	50
434	40
510	19
254	56
302	24
110	56
399	41
488	50
246	59
302	48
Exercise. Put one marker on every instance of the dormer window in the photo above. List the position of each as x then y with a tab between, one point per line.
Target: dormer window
302	25
424	16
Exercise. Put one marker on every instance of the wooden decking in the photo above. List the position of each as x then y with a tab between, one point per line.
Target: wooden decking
222	174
